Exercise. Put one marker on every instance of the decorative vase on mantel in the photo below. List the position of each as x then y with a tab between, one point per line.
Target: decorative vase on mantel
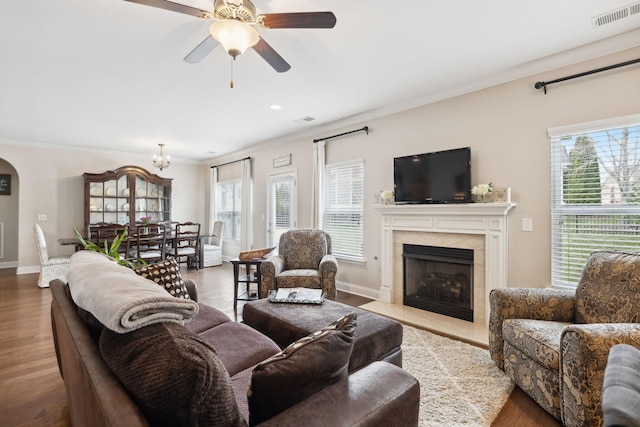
482	198
387	197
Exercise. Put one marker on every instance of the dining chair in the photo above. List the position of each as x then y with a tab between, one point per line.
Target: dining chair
211	253
148	242
92	231
107	233
50	267
186	244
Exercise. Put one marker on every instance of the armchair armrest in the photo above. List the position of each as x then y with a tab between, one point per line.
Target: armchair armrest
269	269
380	394
327	269
192	288
328	263
525	303
584	352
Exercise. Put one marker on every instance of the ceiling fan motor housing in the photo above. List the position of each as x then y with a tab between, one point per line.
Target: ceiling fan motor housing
238	10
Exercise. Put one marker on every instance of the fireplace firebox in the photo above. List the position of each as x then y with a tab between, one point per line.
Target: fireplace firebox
439	280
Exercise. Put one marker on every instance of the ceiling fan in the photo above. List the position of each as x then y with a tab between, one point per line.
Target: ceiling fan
233	27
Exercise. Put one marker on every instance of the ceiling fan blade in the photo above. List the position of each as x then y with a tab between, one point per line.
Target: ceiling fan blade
271	56
299	20
174	7
205	47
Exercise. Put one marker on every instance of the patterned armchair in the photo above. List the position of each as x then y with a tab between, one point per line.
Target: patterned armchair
304	260
554	344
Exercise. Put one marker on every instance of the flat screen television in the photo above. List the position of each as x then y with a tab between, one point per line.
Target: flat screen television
438	177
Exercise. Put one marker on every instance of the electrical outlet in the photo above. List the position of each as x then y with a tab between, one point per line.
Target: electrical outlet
527	224
42	217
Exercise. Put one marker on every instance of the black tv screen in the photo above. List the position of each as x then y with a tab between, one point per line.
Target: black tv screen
438	177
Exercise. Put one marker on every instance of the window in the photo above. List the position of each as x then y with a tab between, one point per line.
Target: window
281	206
229	196
595	178
343	208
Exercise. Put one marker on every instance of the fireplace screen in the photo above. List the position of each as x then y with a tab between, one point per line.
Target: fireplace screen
439	280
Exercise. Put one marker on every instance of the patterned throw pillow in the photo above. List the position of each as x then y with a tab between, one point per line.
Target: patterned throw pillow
301	370
166	274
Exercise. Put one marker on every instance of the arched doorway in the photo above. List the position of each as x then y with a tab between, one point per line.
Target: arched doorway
9	190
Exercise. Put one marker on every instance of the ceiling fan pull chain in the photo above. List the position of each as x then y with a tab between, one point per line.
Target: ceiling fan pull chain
231	82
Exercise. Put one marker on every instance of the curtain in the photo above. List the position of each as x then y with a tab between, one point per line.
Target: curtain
246	229
213	214
317	193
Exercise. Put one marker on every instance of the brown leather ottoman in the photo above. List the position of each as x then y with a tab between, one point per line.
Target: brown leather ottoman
376	337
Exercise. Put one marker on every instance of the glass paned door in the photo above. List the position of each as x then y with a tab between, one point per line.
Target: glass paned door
281	206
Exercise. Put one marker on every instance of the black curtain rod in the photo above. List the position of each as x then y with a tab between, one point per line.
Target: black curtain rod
234	161
364	129
543	85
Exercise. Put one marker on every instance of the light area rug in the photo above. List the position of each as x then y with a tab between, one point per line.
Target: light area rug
459	383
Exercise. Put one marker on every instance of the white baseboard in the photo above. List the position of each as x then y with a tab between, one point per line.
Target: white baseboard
358	290
28	270
10	264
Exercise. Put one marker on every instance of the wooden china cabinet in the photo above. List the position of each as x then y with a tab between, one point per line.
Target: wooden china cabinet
125	195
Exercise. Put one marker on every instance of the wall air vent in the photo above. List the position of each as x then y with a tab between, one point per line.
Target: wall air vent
304	120
616	15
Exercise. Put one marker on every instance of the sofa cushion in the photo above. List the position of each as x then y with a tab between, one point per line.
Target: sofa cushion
239	346
537	339
303	248
608	289
173	375
166	273
208	317
304	278
301	370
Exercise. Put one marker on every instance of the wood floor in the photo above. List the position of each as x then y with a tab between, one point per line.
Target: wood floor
33	394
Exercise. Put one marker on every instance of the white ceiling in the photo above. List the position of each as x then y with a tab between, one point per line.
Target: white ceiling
109	74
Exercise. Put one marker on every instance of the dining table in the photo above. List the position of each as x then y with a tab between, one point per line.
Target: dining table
73	241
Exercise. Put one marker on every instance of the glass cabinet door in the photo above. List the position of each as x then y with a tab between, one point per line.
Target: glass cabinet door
109	201
125	196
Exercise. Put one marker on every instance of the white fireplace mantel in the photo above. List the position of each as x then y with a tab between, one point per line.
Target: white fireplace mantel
486	219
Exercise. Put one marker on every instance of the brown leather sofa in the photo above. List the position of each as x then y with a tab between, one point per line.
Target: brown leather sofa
379	394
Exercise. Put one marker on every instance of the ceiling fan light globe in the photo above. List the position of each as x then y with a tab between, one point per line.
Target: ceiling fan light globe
234	36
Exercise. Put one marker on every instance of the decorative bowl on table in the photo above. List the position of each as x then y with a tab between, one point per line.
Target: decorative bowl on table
254	254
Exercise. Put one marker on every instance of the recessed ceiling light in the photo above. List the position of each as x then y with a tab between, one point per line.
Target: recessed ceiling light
303	120
275	107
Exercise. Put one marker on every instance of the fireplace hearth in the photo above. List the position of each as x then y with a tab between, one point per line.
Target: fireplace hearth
439	279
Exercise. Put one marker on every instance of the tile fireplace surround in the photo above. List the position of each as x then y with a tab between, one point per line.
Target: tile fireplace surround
482	227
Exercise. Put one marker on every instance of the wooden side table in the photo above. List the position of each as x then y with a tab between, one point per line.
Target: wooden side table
253	275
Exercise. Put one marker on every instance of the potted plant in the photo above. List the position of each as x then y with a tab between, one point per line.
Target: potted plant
112	250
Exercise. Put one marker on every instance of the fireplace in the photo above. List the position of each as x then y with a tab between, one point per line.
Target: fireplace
438	279
480	227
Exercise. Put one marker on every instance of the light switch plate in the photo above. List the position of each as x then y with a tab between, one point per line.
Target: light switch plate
527	224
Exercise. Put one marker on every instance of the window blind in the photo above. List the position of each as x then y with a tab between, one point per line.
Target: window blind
229	197
343	216
283	208
595	203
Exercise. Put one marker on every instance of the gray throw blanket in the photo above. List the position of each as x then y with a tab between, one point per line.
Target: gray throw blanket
119	298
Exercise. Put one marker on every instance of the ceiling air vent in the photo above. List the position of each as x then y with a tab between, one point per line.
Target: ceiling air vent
304	120
616	15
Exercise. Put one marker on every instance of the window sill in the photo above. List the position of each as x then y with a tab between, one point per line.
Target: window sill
355	261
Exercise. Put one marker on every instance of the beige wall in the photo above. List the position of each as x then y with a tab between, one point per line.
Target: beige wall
9	217
51	183
505	126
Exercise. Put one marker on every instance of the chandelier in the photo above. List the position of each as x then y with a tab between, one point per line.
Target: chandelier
161	162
